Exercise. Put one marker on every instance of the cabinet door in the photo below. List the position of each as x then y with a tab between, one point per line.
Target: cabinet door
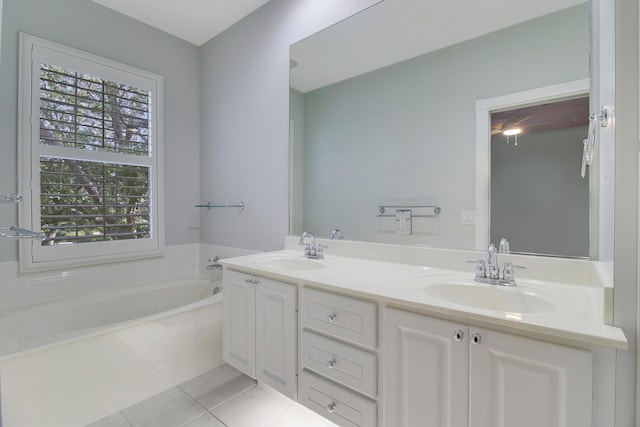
515	381
425	371
238	339
276	327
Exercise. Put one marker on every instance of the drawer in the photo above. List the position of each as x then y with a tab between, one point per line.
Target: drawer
341	362
348	318
338	404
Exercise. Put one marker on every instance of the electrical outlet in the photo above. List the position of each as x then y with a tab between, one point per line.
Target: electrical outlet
467	217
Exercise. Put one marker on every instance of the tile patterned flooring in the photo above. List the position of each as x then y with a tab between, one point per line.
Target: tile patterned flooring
222	397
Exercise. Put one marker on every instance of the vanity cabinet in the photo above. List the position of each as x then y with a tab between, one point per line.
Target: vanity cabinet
441	373
338	360
259	329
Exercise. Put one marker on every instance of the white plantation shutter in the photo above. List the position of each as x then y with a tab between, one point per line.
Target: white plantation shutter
92	128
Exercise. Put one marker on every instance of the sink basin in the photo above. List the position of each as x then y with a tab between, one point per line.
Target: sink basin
466	291
289	263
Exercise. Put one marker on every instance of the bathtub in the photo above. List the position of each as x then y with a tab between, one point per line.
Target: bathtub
72	362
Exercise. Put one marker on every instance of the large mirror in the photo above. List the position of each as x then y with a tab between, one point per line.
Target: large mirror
383	119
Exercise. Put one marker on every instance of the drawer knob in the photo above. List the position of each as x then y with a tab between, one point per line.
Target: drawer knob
331	317
331	363
331	407
476	339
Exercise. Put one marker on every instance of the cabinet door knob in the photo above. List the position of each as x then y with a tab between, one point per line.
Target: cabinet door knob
331	363
458	335
331	317
476	339
248	281
331	407
256	281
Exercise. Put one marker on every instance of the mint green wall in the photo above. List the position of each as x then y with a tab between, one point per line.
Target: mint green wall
296	158
407	131
85	25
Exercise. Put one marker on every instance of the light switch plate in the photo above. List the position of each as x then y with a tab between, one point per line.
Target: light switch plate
467	217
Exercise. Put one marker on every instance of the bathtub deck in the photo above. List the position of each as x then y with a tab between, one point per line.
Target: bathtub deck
222	397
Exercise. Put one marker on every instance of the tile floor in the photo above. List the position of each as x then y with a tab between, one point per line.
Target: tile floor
222	397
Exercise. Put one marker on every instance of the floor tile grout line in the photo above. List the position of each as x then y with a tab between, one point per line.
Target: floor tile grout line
219	404
206	411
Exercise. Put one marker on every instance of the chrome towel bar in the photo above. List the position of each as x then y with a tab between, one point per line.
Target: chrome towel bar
209	205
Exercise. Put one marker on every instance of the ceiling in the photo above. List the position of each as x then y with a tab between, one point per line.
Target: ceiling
196	21
537	118
396	30
388	32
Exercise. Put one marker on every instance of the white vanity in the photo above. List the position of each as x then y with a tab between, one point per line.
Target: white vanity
386	335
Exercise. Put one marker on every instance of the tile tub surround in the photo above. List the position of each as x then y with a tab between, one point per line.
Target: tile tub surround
21	290
383	272
218	398
186	261
73	383
101	312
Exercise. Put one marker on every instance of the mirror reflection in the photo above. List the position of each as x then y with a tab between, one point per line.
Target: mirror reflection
403	135
538	198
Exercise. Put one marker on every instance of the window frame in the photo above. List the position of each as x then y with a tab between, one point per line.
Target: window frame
32	255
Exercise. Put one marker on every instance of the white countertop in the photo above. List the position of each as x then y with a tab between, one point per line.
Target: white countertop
577	314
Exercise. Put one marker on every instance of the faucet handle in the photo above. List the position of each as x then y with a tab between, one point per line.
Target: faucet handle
481	269
494	271
508	273
320	250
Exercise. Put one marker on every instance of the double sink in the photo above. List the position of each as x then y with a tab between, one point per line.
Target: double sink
456	289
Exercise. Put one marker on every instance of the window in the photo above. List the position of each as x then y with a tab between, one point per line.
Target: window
91	147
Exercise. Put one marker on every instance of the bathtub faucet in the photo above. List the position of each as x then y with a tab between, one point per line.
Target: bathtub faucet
213	263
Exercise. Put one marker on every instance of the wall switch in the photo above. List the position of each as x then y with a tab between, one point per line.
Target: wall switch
468	217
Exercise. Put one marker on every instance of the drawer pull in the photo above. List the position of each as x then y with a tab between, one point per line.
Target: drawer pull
331	364
332	317
476	339
331	407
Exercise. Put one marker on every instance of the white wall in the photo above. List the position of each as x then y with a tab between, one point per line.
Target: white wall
245	126
85	25
626	256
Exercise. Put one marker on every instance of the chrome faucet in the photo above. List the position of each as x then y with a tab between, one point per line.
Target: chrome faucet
503	248
493	269
488	271
311	250
337	234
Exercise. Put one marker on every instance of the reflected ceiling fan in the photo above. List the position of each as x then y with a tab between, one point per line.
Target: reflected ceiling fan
555	115
526	123
508	126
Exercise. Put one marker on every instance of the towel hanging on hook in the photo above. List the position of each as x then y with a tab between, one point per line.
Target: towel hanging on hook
589	148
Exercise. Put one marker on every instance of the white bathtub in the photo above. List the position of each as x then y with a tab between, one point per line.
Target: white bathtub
74	361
